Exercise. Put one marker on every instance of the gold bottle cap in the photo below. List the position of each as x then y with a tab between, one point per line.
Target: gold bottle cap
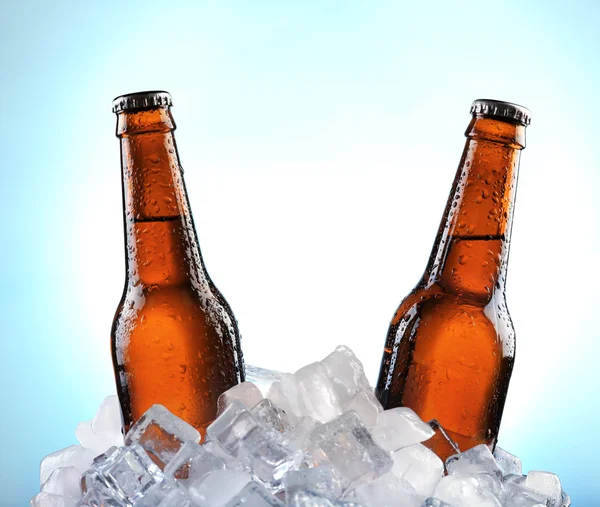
141	100
502	110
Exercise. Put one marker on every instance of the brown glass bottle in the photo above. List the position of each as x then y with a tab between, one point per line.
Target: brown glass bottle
174	340
450	347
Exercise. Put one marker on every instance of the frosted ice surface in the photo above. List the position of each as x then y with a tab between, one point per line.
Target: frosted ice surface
346	372
234	425
246	392
318	393
104	430
400	427
434	502
218	487
65	481
48	500
386	491
286	394
517	495
254	495
419	466
367	406
261	377
215	449
192	462
320	480
508	463
177	498
161	434
478	459
346	444
72	456
270	415
547	484
466	490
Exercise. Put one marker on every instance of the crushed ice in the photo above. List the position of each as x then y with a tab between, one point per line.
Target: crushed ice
318	438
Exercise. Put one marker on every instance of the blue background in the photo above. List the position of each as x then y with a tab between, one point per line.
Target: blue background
320	140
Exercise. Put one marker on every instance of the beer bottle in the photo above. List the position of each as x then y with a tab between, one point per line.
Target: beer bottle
174	338
450	347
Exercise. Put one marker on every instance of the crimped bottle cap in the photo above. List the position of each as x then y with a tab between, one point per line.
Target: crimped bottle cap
141	100
502	110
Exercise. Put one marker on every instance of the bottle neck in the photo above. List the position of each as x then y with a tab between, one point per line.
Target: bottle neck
160	237
470	254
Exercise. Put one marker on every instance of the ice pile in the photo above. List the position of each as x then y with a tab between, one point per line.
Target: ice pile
318	438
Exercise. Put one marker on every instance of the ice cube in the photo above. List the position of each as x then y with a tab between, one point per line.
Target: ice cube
517	495
466	490
177	498
508	463
346	444
246	392
254	495
72	456
434	502
128	473
232	427
66	482
215	449
478	459
104	430
309	498
419	466
318	393
272	416
386	491
161	434
218	487
261	377
192	462
298	435
158	493
320	480
547	484
367	406
100	496
346	372
267	455
48	500
286	394
400	427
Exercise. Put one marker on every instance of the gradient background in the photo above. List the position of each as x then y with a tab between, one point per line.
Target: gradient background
320	140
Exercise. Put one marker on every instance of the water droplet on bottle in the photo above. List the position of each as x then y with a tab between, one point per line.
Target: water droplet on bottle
182	368
462	260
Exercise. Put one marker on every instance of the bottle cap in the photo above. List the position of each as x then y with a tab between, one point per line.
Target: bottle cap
141	100
501	110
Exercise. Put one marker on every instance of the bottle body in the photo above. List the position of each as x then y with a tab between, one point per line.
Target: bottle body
174	338
450	348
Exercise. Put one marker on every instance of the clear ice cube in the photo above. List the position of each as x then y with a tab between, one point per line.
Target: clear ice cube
66	482
318	393
192	462
298	435
261	377
467	490
100	496
419	466
478	459
161	434
346	372
218	487
128	473
400	427
508	463
72	456
254	495
177	498
232	427
386	492
547	484
346	444
270	415
246	392
517	495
